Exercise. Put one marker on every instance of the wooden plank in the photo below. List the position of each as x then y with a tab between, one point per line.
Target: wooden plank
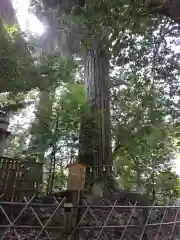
71	214
1	174
5	178
76	177
17	187
17	181
8	184
13	177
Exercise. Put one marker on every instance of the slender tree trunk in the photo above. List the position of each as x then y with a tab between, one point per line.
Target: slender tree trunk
41	128
153	187
4	123
53	158
138	184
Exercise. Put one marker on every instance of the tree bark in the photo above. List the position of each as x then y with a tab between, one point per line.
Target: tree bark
169	8
7	12
4	123
41	128
95	134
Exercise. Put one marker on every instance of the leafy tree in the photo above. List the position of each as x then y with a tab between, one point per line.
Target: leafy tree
167	187
100	30
140	94
18	70
95	146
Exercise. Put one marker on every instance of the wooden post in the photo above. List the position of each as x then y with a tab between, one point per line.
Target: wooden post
76	182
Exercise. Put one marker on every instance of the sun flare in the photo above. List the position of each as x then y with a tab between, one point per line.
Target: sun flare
27	21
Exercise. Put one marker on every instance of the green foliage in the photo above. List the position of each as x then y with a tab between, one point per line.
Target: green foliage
12	31
144	115
145	136
60	181
18	72
167	187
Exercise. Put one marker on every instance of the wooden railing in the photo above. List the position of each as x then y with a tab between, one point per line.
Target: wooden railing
19	178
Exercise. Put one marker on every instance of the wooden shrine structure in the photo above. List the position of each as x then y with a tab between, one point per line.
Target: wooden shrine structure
17	178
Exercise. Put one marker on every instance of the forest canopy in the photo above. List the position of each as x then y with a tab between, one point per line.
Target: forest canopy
101	86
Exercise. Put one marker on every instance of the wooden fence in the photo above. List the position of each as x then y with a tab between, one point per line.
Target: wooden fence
105	221
19	178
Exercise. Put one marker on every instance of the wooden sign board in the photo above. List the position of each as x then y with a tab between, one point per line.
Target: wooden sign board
76	177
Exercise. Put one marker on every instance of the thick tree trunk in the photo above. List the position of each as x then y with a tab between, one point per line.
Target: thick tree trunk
7	12
95	133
